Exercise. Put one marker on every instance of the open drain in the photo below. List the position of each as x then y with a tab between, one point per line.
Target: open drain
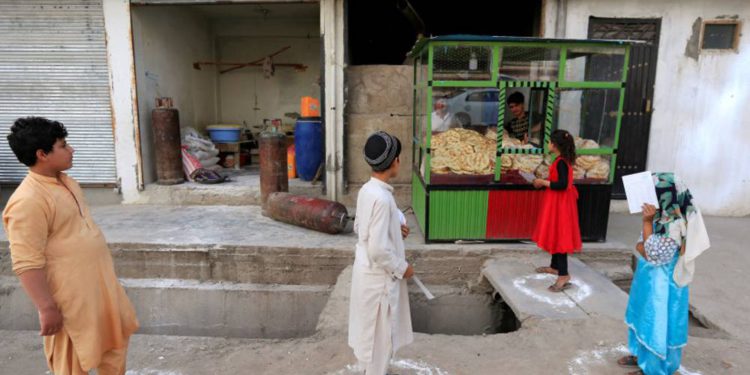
462	314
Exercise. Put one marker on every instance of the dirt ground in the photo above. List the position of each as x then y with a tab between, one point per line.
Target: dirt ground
553	347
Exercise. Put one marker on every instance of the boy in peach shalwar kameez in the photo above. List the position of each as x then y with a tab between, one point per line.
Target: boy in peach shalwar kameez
62	258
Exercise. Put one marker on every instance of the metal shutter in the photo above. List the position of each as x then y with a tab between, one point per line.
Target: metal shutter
53	63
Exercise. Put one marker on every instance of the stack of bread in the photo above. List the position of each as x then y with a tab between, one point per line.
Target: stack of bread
464	151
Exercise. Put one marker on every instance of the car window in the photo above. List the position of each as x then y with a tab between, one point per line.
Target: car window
483	96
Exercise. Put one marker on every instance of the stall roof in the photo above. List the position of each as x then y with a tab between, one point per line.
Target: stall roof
487	38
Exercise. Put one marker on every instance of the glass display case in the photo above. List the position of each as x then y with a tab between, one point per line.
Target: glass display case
484	108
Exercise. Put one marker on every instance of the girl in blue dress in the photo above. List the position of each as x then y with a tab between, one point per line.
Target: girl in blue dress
657	313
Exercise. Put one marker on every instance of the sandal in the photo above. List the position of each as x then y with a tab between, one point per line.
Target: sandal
557	289
628	361
207	176
549	270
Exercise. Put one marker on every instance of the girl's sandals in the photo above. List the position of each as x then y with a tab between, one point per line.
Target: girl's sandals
559	288
549	270
628	361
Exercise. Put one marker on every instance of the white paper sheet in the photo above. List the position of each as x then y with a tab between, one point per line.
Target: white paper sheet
639	189
530	177
422	287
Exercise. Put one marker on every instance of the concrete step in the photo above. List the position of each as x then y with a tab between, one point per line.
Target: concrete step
526	292
194	308
242	189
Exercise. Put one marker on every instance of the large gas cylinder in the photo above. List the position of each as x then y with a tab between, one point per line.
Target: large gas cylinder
165	122
273	171
312	213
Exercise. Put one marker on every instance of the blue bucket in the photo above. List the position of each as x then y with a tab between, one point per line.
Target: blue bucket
308	146
224	133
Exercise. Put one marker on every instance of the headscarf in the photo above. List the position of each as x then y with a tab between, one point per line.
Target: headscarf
681	220
675	205
381	149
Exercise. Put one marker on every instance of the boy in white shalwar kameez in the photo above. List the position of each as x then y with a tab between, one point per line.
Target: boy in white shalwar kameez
379	315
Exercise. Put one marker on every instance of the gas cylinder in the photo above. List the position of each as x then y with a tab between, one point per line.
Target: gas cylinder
165	123
312	213
273	171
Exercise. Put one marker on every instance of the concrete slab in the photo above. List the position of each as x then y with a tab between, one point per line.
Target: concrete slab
242	189
601	296
526	292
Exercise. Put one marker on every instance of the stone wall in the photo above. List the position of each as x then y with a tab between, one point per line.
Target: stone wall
379	97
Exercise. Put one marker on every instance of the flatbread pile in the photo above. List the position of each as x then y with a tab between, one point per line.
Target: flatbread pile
590	166
462	151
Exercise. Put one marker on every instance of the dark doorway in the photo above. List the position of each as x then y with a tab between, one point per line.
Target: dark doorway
384	31
632	150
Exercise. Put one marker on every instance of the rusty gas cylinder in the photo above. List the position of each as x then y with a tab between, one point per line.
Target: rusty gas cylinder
312	213
273	171
165	123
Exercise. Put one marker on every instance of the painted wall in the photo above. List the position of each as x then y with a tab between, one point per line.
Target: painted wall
245	94
167	40
701	119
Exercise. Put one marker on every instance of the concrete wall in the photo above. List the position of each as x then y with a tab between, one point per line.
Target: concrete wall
167	40
253	38
701	119
379	97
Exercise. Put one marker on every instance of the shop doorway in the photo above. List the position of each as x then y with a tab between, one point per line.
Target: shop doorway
226	64
632	150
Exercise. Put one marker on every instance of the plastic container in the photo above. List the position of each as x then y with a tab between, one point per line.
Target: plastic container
310	107
291	168
224	133
308	146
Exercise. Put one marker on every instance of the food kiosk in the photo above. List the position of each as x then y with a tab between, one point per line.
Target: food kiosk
484	109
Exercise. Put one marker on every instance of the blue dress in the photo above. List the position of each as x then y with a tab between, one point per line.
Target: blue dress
657	313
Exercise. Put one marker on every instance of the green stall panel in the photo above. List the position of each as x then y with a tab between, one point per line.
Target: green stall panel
458	215
418	200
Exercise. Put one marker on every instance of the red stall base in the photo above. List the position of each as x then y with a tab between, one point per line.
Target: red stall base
512	214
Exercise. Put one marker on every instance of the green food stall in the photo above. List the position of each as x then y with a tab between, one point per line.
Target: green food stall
484	108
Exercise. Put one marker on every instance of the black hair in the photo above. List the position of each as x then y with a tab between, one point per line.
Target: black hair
29	134
565	144
515	98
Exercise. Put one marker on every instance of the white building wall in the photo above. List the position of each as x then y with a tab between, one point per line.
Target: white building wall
700	127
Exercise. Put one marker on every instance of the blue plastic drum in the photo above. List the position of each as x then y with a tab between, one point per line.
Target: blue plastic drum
308	146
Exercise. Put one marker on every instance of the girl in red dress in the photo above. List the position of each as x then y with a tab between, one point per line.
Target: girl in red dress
557	230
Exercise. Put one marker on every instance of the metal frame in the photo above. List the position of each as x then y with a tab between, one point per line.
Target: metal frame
427	84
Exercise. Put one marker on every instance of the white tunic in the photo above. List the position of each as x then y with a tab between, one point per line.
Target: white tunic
379	265
441	123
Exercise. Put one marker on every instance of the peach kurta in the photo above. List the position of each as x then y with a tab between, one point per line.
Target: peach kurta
50	227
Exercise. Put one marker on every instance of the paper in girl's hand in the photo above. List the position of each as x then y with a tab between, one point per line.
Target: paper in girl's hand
639	189
402	218
529	177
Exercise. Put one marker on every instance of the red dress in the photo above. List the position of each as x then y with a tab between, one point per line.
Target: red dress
557	230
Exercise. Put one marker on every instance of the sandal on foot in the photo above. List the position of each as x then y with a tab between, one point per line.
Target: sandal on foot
628	361
549	270
557	289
